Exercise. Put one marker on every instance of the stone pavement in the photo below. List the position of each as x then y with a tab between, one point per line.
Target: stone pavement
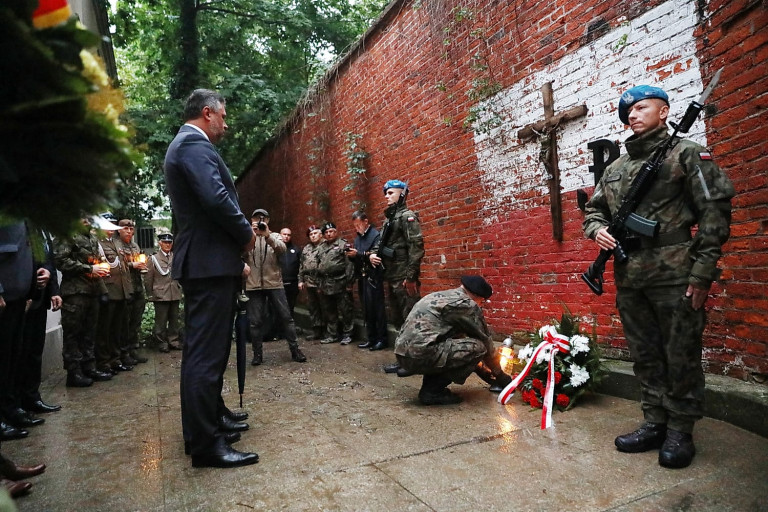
338	434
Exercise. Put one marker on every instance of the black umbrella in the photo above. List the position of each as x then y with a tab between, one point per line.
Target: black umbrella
242	340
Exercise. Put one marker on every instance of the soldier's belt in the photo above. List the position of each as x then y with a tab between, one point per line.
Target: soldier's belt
673	237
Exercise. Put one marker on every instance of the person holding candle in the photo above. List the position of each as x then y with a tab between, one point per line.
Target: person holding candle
445	339
137	265
82	289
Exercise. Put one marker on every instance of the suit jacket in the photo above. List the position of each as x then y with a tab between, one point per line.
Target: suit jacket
17	269
211	228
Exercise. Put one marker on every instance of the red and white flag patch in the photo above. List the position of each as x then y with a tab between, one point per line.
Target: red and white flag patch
705	155
411	219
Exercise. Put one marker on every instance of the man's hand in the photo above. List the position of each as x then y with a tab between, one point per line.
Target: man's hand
43	275
302	286
2	303
375	260
246	270
99	271
605	240
698	296
411	287
351	252
56	303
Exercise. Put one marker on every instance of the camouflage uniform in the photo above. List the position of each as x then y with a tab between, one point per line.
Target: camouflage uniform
407	242
112	313
80	291
308	276
136	304
335	274
445	334
662	330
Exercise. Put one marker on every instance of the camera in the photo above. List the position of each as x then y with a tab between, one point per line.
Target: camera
347	247
261	225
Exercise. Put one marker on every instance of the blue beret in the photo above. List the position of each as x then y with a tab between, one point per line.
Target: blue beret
637	93
477	285
394	184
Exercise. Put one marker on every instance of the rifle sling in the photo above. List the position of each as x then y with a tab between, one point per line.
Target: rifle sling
664	239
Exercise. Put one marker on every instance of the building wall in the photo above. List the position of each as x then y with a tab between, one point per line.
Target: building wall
436	92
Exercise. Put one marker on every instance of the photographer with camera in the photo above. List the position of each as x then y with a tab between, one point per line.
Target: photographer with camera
336	273
264	286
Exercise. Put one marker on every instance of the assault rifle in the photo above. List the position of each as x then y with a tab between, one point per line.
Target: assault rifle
626	220
386	232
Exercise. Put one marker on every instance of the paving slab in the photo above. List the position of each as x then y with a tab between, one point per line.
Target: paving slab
338	434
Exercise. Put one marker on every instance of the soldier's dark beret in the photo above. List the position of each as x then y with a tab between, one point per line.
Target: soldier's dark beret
327	226
477	285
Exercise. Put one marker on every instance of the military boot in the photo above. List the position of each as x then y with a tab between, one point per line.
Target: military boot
434	391
258	356
297	355
648	437
677	451
76	379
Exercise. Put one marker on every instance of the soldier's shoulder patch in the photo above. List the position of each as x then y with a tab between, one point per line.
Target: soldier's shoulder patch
411	218
705	155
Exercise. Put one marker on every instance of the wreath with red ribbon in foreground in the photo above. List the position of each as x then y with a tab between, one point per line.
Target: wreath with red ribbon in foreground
562	364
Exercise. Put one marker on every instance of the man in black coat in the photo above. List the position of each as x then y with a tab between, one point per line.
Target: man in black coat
212	235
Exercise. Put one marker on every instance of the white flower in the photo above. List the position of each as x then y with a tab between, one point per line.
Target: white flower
579	375
579	344
526	352
544	355
547	328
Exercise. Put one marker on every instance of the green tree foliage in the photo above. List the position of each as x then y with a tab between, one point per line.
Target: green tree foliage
260	54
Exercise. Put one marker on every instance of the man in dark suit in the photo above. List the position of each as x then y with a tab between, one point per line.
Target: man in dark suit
212	235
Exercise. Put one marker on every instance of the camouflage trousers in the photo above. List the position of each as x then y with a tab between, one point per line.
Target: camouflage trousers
453	358
400	303
664	336
79	318
313	306
339	314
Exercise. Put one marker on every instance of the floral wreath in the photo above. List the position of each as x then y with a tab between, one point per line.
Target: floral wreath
562	364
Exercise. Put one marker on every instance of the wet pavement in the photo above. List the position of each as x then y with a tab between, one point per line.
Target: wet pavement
338	434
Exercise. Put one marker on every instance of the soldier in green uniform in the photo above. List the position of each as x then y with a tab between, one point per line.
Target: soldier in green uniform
82	287
136	266
662	288
445	338
400	255
112	313
335	274
308	280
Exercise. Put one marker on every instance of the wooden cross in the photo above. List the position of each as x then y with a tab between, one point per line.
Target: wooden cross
546	130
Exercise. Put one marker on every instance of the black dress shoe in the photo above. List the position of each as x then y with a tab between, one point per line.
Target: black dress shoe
9	432
392	368
366	344
227	425
128	361
236	416
122	367
648	437
20	418
380	345
677	451
97	375
41	407
229	438
224	457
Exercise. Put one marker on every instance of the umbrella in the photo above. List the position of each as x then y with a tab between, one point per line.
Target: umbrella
242	340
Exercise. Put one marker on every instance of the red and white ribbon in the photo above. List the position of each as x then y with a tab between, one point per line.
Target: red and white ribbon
555	343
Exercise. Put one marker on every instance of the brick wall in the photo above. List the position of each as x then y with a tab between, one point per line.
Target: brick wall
437	91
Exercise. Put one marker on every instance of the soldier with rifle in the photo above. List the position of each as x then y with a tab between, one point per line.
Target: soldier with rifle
398	254
642	213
